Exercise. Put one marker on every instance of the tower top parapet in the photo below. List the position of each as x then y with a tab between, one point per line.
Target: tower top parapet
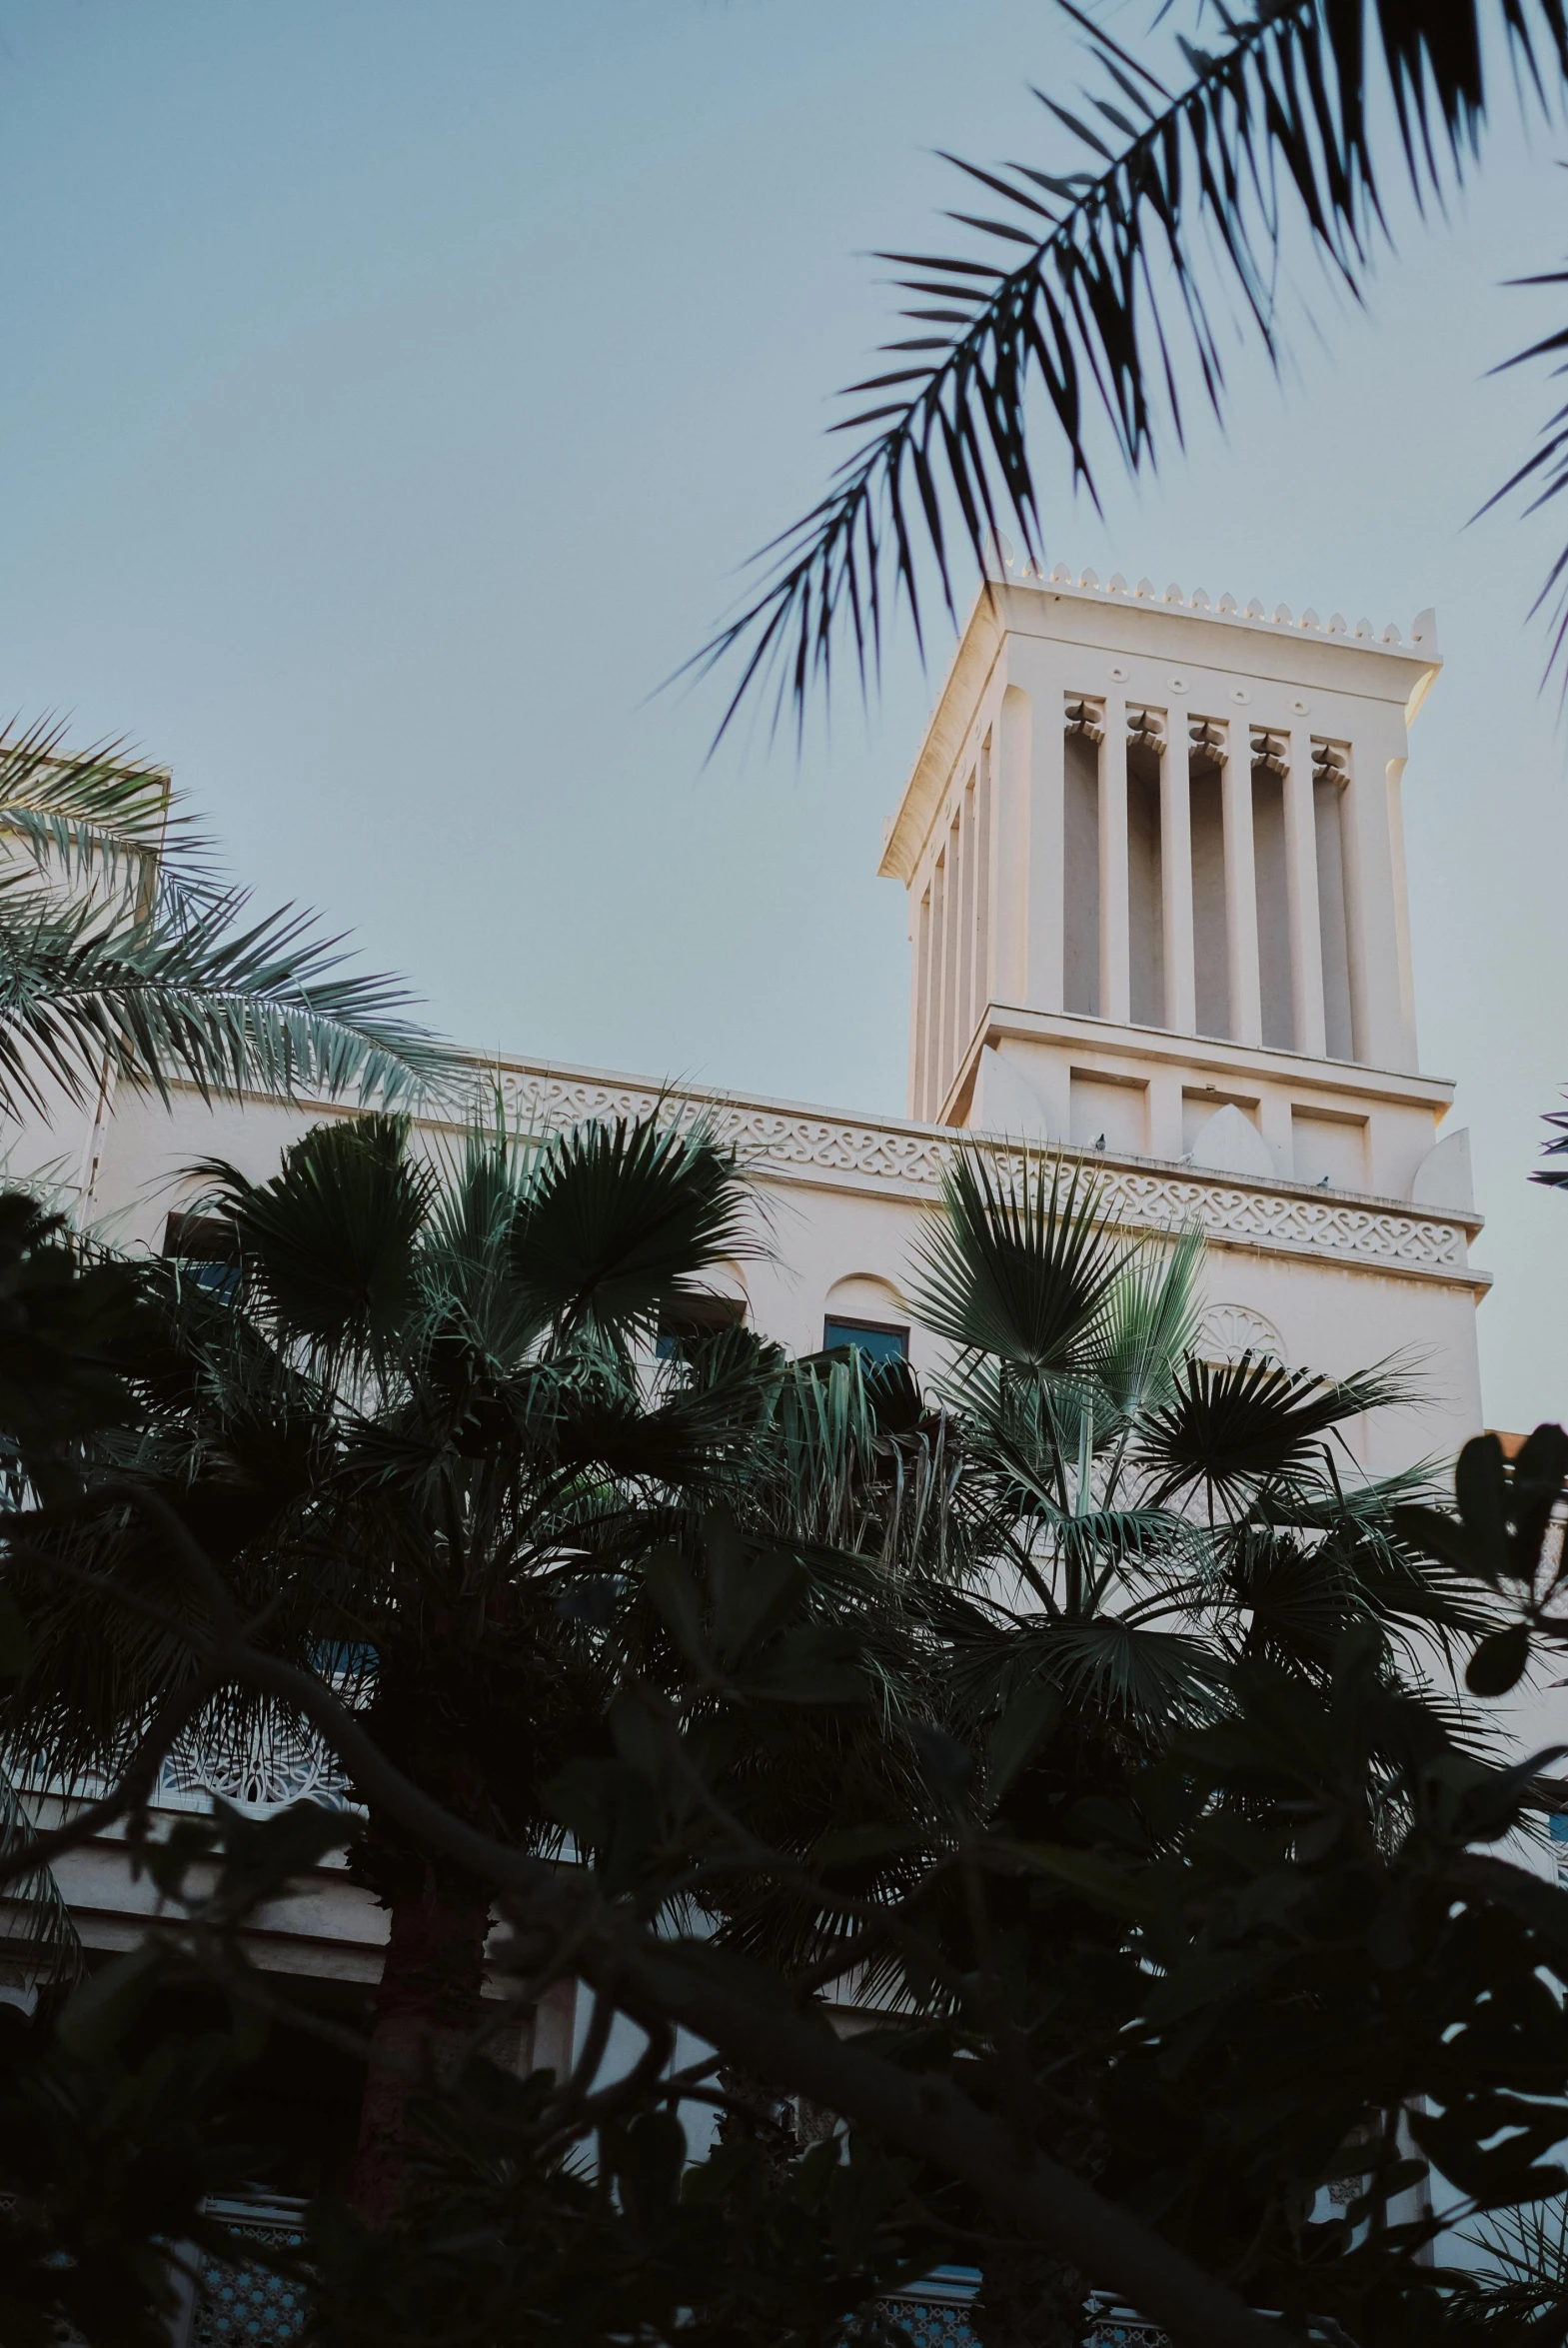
1227	609
1245	656
1154	859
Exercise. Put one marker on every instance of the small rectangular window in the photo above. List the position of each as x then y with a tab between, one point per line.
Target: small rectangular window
879	1340
686	1321
205	1249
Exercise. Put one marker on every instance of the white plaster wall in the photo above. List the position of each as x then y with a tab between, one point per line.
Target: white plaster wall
821	1228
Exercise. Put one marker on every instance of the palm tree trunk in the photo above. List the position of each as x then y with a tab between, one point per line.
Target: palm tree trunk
426	2002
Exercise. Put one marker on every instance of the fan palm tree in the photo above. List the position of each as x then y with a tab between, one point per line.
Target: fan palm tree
1103	283
1157	1515
1121	1524
417	1430
123	956
425	1432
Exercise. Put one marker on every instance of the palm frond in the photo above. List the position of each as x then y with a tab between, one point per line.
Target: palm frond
1235	1428
331	1241
621	1221
1143	1675
1022	1269
40	1923
1556	1177
219	1001
1153	1313
98	817
1106	282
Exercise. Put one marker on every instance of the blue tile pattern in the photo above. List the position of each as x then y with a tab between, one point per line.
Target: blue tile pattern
245	2306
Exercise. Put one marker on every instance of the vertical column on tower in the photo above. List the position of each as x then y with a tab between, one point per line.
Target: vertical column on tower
969	833
1246	994
933	1058
1010	853
1306	934
1372	920
979	966
1042	947
1115	969
1396	844
921	1007
1176	873
952	937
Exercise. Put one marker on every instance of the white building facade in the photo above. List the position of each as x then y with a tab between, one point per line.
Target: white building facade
1154	860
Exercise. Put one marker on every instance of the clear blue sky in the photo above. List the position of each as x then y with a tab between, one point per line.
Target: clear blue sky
391	389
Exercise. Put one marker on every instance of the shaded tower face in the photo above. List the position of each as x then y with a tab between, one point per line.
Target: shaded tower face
1155	867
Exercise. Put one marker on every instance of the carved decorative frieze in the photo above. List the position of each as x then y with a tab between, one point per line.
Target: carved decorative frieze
909	1162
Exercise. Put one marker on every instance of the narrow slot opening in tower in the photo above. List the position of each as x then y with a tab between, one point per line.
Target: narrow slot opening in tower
1210	933
1333	929
1080	880
1145	885
1272	886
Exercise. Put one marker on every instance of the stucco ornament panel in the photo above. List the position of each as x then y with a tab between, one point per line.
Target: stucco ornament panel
909	1160
1229	1330
262	1771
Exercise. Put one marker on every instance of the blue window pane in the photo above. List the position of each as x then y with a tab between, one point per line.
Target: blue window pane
1558	1823
879	1340
219	1279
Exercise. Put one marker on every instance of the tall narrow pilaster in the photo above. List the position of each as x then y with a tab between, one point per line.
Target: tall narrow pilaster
1014	852
1377	1012
1042	727
1396	843
1306	928
1246	993
979	976
1175	878
1115	957
920	1013
935	1077
969	858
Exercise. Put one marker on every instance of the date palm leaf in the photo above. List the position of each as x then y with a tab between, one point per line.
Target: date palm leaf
217	999
99	817
1108	282
39	1917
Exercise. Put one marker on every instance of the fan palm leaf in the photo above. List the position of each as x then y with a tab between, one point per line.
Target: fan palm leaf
1022	1269
619	1221
1153	1313
1236	1427
329	1243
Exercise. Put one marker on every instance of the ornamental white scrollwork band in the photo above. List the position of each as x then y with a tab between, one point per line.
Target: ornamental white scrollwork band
910	1159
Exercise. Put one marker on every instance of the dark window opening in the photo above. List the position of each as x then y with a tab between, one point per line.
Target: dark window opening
879	1340
207	1252
690	1320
